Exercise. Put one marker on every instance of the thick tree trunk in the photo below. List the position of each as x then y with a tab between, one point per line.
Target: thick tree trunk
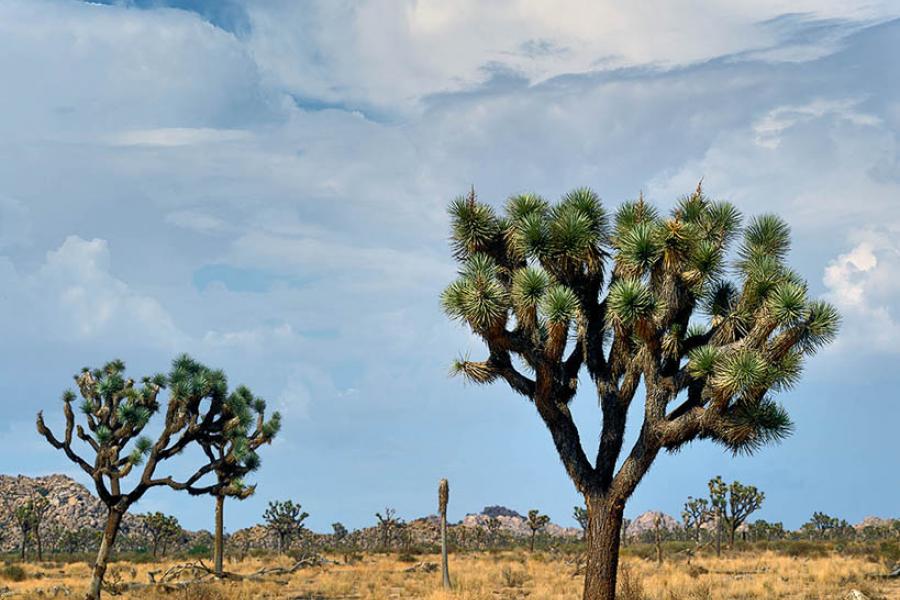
155	545
40	546
719	535
445	570
113	520
603	537
219	543
532	541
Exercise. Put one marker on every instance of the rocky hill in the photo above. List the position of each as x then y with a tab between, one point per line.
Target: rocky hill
72	508
513	523
645	522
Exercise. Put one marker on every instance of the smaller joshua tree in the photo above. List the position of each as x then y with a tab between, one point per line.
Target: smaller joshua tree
735	502
443	499
116	412
232	446
286	519
580	515
493	526
162	529
387	523
696	514
536	522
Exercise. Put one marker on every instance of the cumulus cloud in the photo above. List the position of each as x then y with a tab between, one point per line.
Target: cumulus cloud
864	284
74	296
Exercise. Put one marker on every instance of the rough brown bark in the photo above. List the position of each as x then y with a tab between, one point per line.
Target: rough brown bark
603	537
113	520
219	543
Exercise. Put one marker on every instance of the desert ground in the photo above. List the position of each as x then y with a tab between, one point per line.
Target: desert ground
510	575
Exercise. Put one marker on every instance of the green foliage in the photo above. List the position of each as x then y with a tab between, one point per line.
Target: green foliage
14	573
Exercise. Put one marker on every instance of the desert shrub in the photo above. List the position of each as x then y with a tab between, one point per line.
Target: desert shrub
199	550
889	551
514	578
14	573
407	557
802	548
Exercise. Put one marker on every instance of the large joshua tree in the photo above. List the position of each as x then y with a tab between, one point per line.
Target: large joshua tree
116	411
232	447
640	303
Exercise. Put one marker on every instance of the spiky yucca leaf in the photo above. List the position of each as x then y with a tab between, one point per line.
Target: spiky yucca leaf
479	267
787	303
752	425
272	426
572	233
785	373
702	361
823	323
740	371
586	202
136	416
707	260
559	305
484	304
632	213
474	226
528	286
524	205
529	236
696	329
104	435
452	299
721	222
474	371
678	240
143	444
68	396
763	273
639	248
766	235
629	300
720	300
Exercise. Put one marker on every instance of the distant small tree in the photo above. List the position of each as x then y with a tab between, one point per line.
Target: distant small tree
162	529
626	523
733	503
116	413
493	526
695	515
761	530
718	499
536	522
286	519
387	523
579	513
339	532
443	499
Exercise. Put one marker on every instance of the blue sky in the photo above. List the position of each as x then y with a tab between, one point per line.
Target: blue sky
263	185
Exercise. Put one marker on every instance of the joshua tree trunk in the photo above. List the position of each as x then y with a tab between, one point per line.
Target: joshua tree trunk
219	543
37	541
532	540
113	520
658	540
603	537
719	534
155	545
731	531
24	538
443	499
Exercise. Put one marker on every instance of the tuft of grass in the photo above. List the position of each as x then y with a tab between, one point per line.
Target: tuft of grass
14	573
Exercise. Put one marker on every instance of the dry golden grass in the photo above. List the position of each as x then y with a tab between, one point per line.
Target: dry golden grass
508	575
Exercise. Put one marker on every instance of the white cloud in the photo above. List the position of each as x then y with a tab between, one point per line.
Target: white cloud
390	53
864	284
74	296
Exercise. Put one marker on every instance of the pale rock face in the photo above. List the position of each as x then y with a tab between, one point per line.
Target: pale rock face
72	507
646	522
